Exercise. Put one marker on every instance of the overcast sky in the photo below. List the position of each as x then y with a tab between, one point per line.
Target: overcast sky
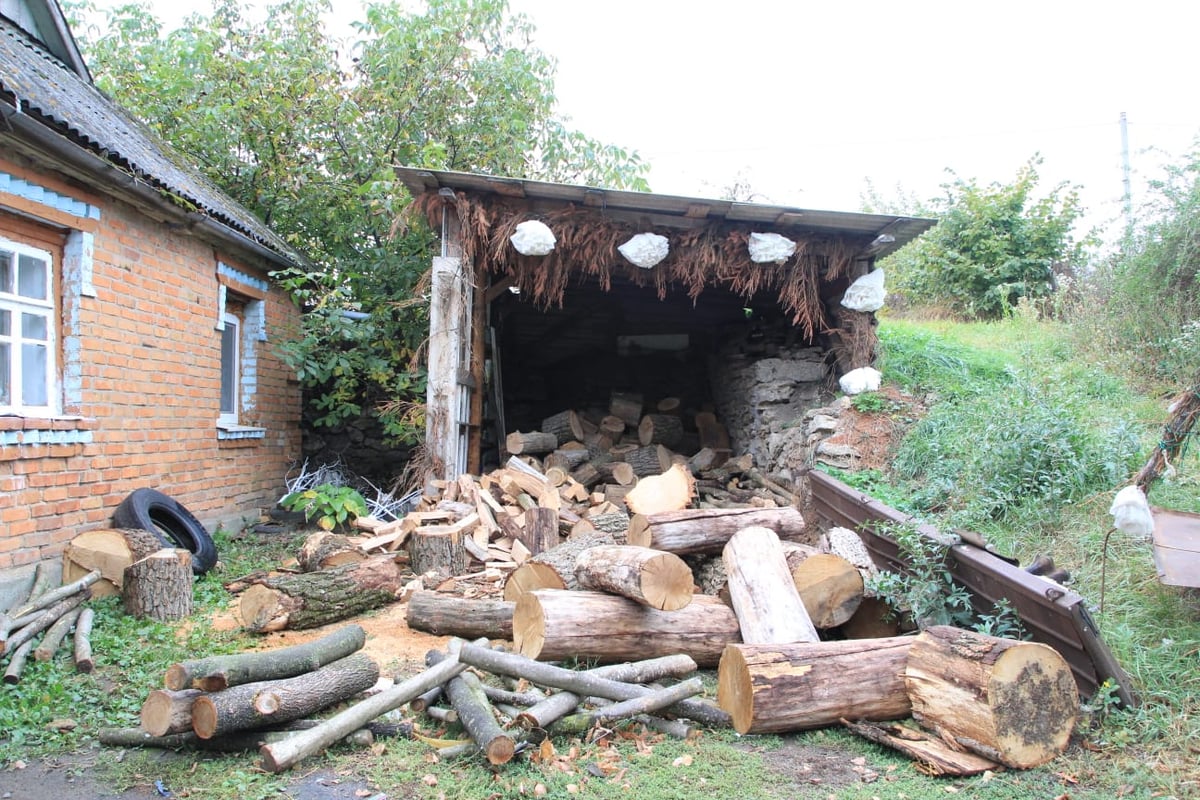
806	101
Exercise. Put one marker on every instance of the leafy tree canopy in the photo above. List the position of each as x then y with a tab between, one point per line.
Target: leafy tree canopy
305	130
992	246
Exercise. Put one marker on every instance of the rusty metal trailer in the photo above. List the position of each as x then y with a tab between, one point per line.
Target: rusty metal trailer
1052	614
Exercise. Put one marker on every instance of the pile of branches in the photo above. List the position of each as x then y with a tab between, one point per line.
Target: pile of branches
50	614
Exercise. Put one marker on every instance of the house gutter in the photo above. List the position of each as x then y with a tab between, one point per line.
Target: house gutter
107	175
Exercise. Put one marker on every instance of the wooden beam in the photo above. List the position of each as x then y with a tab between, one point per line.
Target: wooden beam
479	308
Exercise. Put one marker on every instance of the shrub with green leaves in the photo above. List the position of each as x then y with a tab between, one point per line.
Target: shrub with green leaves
331	506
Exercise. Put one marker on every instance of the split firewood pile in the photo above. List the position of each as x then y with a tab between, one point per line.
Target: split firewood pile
51	614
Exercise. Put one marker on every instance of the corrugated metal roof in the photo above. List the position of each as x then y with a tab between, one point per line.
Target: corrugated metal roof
672	210
39	86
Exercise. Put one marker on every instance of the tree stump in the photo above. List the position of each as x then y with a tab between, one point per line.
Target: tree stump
773	688
1013	702
159	586
554	624
650	577
109	550
439	552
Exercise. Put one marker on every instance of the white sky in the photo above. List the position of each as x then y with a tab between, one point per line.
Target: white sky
806	101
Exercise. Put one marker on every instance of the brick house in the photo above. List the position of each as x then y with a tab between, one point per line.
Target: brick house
136	313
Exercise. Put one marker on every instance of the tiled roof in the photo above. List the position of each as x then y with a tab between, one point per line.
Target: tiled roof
37	85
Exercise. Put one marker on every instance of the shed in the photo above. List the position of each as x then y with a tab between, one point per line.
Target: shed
517	338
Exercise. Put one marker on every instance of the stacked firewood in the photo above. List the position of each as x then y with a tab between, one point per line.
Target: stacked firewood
51	614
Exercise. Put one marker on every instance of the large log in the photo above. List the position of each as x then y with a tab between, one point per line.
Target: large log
649	460
165	711
830	586
1011	701
650	577
706	530
764	597
552	624
773	688
110	551
312	599
553	568
446	615
671	491
254	705
324	549
214	673
278	756
159	586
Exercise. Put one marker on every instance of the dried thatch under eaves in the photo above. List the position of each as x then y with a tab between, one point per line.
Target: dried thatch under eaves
713	254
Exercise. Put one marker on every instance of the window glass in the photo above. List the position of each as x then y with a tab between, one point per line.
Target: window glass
6	272
5	368
32	273
229	368
35	326
33	375
5	322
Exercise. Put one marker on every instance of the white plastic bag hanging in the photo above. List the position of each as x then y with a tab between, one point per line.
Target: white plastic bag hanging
1131	513
768	247
533	238
863	379
645	250
866	293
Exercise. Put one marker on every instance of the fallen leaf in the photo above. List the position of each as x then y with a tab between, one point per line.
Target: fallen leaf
540	790
547	750
683	761
572	788
429	779
1068	778
18	765
62	725
363	793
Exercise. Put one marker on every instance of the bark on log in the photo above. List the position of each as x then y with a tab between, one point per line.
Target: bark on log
584	684
650	460
323	549
534	442
253	705
446	615
109	550
55	635
12	673
713	434
830	586
439	552
768	607
540	532
545	712
933	756
650	577
165	711
612	426
706	530
43	601
565	426
619	472
568	458
278	756
553	568
550	624
159	586
214	673
627	406
661	429
312	599
83	641
44	618
773	688
1011	701
477	717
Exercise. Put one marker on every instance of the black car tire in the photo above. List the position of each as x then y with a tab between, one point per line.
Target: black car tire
151	510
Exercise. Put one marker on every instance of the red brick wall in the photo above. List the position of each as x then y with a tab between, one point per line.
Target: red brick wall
150	395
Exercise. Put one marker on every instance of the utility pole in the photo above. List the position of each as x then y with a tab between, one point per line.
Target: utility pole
1125	172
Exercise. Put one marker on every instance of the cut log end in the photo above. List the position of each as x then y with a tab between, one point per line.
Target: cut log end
735	692
667	582
529	626
529	577
204	717
1035	705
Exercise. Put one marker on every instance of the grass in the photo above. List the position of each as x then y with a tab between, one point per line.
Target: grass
976	372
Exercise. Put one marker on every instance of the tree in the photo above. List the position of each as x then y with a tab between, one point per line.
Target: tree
306	130
991	247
